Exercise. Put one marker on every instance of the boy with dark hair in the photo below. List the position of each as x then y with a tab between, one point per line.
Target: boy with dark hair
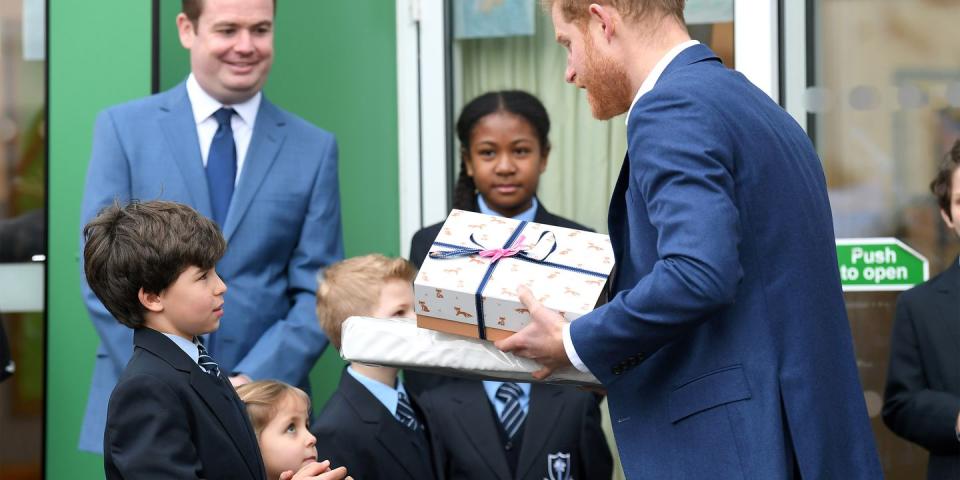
371	424
922	396
172	414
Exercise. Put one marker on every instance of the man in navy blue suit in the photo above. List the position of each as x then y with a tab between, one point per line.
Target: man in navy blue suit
725	348
267	178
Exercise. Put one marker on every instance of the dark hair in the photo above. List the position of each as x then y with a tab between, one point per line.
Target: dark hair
517	102
942	184
145	245
193	8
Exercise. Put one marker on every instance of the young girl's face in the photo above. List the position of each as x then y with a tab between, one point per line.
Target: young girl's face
286	442
505	160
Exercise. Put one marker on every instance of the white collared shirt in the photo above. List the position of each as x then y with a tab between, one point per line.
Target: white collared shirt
204	106
388	396
646	86
188	347
654	75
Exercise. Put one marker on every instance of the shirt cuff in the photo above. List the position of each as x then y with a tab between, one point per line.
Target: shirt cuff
572	352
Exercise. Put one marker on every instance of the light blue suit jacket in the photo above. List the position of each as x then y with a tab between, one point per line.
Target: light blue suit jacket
282	228
726	350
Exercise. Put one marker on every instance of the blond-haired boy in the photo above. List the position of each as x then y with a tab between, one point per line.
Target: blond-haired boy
370	424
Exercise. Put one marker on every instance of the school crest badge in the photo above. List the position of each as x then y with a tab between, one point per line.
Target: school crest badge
558	466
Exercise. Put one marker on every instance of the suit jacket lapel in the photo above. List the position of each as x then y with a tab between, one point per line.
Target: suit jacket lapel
539	425
480	431
213	392
389	432
268	136
180	131
949	304
211	389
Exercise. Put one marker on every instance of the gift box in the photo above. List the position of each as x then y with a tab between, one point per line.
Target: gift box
468	283
398	342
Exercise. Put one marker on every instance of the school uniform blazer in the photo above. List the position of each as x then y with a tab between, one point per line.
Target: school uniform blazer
168	418
562	423
355	430
922	397
282	228
726	350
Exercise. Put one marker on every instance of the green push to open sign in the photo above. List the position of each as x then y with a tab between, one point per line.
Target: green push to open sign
879	264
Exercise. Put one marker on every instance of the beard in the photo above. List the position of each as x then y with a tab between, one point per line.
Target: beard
605	80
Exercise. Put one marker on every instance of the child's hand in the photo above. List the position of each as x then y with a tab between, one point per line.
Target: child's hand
316	471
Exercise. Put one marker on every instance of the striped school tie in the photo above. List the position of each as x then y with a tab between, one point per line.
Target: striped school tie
206	361
405	413
513	415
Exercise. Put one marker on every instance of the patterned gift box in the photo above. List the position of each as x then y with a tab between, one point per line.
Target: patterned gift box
467	284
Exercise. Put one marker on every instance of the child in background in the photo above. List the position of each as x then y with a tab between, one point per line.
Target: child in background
371	423
504	147
280	413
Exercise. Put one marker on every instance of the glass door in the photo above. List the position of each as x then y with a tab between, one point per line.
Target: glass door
23	167
877	85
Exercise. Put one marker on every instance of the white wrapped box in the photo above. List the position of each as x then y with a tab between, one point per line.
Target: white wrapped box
398	342
470	279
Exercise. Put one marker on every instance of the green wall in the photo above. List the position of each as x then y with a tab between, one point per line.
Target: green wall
99	54
335	66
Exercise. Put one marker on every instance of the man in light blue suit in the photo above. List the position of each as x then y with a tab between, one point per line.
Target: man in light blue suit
725	348
266	176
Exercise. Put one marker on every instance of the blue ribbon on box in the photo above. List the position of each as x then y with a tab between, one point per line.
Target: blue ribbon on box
510	249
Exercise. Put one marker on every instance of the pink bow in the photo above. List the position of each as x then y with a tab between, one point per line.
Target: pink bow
497	253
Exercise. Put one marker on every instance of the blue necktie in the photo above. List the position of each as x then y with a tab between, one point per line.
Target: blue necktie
206	361
513	415
222	166
405	413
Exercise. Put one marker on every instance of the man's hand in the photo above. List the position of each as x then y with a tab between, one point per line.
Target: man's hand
239	379
317	471
541	340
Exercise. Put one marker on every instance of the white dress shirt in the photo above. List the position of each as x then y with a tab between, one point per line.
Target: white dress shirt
385	394
188	347
646	86
204	106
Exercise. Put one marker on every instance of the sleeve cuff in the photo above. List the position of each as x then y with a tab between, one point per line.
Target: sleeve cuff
572	352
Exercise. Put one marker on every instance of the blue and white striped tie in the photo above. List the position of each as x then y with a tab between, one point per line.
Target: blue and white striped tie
513	415
405	413
206	361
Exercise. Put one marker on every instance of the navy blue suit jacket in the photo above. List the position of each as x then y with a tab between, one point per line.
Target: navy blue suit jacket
726	350
922	396
562	423
170	419
282	228
355	430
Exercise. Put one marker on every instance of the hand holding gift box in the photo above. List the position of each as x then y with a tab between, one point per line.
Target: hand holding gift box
468	284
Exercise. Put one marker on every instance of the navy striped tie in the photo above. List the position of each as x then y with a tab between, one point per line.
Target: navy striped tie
513	415
206	361
405	413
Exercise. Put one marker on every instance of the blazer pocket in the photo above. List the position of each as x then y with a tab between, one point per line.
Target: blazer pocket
719	387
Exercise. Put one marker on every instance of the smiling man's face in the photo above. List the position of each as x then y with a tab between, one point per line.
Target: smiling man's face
231	47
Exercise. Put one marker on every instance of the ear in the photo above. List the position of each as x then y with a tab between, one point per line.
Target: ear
186	30
544	156
150	301
949	221
467	163
604	16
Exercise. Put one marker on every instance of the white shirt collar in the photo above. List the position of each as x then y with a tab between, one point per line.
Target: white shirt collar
386	395
204	105
188	347
654	75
